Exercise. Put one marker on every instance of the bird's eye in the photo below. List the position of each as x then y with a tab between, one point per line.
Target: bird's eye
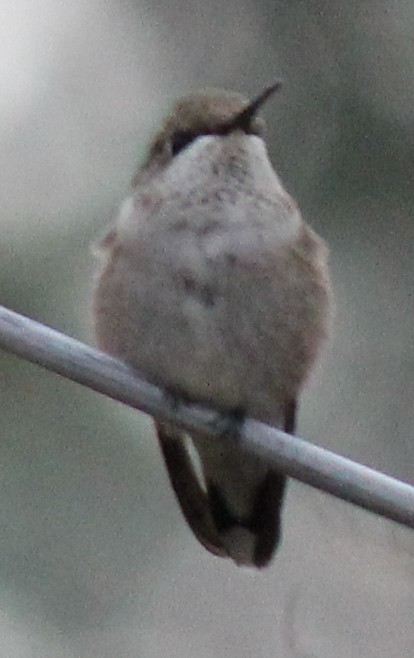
180	140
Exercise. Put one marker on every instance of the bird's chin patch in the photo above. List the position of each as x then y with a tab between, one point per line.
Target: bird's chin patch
240	544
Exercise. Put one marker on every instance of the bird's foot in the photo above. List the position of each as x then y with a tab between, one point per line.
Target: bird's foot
228	424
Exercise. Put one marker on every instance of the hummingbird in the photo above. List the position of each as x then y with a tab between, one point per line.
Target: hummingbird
213	287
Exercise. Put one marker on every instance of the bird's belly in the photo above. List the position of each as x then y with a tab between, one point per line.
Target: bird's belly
217	331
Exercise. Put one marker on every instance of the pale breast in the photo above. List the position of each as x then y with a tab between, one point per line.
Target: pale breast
218	293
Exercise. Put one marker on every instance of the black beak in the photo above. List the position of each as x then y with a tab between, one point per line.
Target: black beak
243	119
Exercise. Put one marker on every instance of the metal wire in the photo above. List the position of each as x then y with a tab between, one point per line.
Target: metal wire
297	458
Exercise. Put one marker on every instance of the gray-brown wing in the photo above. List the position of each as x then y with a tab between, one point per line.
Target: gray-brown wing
190	495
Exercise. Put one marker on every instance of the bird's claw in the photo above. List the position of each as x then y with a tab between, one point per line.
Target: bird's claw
228	424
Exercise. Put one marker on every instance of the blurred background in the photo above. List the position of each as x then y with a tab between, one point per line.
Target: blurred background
95	558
